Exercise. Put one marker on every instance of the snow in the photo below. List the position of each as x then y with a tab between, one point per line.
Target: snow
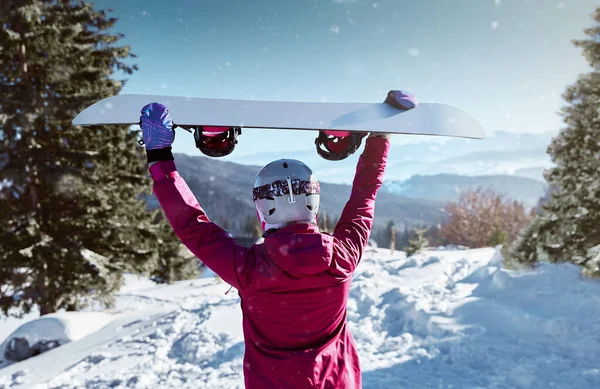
63	327
442	319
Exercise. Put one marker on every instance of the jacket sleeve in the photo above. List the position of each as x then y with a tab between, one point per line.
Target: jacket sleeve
353	230
210	243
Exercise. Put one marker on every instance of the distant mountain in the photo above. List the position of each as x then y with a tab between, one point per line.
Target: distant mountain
443	164
500	154
532	172
474	164
447	187
224	189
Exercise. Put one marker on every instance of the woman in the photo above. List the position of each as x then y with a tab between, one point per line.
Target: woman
293	286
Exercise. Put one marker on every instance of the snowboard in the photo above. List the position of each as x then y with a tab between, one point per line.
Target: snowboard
218	122
424	119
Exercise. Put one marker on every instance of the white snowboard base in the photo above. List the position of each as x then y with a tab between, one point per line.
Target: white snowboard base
425	119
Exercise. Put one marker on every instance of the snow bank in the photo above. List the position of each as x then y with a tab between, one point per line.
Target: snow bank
59	329
460	320
442	319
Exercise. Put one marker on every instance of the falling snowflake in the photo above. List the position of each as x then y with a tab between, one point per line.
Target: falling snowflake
335	29
498	2
495	24
560	5
375	5
413	51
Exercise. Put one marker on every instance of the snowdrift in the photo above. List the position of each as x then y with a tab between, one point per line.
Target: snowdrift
442	319
51	331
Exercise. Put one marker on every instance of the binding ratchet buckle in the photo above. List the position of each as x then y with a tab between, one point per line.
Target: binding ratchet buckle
337	145
215	141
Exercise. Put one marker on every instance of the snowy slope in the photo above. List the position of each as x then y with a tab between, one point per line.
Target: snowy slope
442	319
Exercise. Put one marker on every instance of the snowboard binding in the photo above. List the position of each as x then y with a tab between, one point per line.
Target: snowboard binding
338	145
215	141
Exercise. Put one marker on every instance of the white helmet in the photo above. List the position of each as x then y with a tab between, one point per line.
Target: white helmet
276	204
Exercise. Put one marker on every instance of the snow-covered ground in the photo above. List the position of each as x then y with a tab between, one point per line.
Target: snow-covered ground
441	319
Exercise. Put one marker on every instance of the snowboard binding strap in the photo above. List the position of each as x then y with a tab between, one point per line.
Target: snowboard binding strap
215	141
335	146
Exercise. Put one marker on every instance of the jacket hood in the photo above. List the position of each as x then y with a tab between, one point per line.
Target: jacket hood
300	249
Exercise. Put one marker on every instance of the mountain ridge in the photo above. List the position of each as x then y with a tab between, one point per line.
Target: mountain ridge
448	187
224	190
502	153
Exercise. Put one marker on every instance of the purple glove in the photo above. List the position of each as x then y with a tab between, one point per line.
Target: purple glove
157	127
401	100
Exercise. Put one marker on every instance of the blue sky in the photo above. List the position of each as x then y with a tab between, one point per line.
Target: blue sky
506	62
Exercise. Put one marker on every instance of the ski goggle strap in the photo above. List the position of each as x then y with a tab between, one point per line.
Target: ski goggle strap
281	188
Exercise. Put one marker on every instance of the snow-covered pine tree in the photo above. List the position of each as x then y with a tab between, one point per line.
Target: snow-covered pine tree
73	217
568	227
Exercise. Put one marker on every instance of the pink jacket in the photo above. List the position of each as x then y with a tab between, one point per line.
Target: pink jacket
293	287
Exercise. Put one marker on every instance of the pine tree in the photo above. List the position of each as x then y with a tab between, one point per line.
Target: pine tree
252	227
71	198
248	226
405	237
326	226
384	235
498	237
417	244
320	221
324	222
434	237
173	265
568	227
